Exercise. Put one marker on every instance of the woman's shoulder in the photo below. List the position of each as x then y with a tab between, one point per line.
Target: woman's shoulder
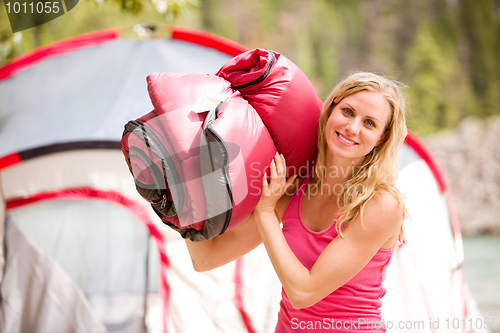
387	200
379	222
384	209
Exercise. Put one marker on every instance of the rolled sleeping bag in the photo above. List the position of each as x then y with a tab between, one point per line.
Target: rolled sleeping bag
199	156
285	100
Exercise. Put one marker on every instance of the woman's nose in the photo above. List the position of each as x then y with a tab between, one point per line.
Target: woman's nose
352	127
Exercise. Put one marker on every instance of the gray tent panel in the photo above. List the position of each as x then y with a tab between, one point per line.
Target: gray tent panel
102	248
55	303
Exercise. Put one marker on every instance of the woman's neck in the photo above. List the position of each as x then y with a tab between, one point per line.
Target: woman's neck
337	172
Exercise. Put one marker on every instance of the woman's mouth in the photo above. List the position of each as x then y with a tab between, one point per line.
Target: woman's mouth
345	140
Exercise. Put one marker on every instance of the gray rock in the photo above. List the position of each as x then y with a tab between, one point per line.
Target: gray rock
470	157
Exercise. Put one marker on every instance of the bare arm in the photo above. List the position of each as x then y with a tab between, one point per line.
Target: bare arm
222	249
341	260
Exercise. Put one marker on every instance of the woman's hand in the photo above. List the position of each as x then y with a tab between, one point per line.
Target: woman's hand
273	191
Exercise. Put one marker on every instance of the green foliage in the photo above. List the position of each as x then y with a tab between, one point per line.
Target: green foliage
447	52
435	72
481	26
90	15
10	45
132	6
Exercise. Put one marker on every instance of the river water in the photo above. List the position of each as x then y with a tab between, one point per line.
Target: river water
482	272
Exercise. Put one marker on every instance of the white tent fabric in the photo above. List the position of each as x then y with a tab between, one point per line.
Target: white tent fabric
100	246
426	265
64	182
53	296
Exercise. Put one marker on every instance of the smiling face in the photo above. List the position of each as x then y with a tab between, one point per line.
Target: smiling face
356	125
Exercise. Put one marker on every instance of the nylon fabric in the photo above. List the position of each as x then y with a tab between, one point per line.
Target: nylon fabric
99	249
32	279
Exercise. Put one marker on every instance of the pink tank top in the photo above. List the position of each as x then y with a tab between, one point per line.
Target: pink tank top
354	307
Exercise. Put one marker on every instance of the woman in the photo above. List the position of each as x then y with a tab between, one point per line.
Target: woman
340	224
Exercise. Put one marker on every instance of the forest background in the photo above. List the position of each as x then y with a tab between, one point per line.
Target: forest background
446	51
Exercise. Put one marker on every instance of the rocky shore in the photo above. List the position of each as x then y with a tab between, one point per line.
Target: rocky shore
470	157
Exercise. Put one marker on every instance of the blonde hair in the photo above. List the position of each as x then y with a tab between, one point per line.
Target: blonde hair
378	172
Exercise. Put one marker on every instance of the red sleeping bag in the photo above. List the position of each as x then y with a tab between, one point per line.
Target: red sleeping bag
199	156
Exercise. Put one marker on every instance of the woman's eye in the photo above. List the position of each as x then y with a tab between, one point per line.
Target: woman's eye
347	112
370	123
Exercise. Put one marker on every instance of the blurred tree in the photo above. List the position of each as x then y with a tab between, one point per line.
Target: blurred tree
89	15
481	31
208	10
446	51
435	75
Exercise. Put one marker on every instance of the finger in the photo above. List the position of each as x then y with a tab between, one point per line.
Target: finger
276	159
264	179
279	165
283	158
272	170
283	163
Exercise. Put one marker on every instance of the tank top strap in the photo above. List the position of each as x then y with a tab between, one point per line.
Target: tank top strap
296	198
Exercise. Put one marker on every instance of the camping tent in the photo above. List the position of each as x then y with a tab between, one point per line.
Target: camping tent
83	252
